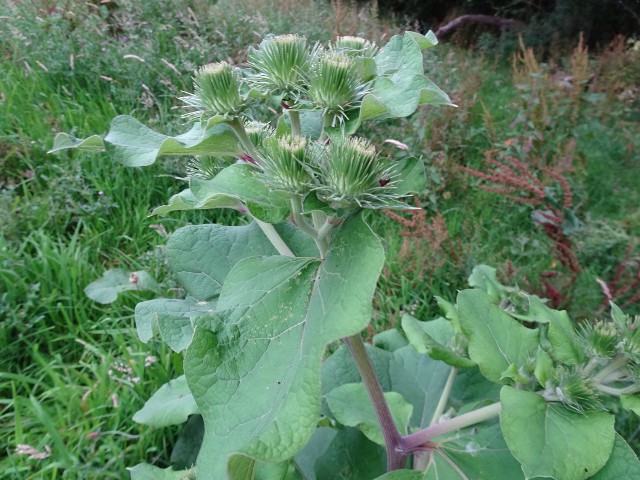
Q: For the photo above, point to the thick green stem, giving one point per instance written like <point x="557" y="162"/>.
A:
<point x="319" y="219"/>
<point x="275" y="238"/>
<point x="296" y="128"/>
<point x="418" y="439"/>
<point x="618" y="362"/>
<point x="444" y="397"/>
<point x="396" y="459"/>
<point x="238" y="127"/>
<point x="630" y="390"/>
<point x="301" y="222"/>
<point x="326" y="122"/>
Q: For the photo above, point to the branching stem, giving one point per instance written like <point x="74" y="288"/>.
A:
<point x="602" y="376"/>
<point x="238" y="127"/>
<point x="415" y="440"/>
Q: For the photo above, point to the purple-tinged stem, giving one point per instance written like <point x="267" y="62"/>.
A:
<point x="415" y="440"/>
<point x="396" y="458"/>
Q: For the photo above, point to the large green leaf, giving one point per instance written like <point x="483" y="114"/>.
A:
<point x="310" y="123"/>
<point x="351" y="456"/>
<point x="352" y="407"/>
<point x="434" y="338"/>
<point x="400" y="85"/>
<point x="186" y="201"/>
<point x="486" y="278"/>
<point x="170" y="405"/>
<point x="246" y="468"/>
<point x="631" y="403"/>
<point x="201" y="256"/>
<point x="64" y="141"/>
<point x="239" y="183"/>
<point x="185" y="451"/>
<point x="550" y="440"/>
<point x="471" y="387"/>
<point x="319" y="443"/>
<point x="390" y="340"/>
<point x="402" y="475"/>
<point x="173" y="319"/>
<point x="420" y="379"/>
<point x="496" y="341"/>
<point x="562" y="336"/>
<point x="404" y="52"/>
<point x="623" y="463"/>
<point x="255" y="371"/>
<point x="106" y="289"/>
<point x="417" y="377"/>
<point x="135" y="145"/>
<point x="144" y="471"/>
<point x="340" y="369"/>
<point x="411" y="176"/>
<point x="477" y="453"/>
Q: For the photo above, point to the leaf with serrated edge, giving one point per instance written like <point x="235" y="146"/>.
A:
<point x="106" y="289"/>
<point x="255" y="373"/>
<point x="170" y="405"/>
<point x="496" y="340"/>
<point x="622" y="464"/>
<point x="551" y="441"/>
<point x="351" y="406"/>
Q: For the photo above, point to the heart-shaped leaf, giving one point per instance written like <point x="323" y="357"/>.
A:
<point x="255" y="370"/>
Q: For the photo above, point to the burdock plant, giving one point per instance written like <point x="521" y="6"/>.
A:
<point x="281" y="64"/>
<point x="285" y="164"/>
<point x="216" y="92"/>
<point x="353" y="174"/>
<point x="335" y="84"/>
<point x="476" y="395"/>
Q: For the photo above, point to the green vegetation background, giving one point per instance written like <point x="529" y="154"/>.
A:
<point x="72" y="373"/>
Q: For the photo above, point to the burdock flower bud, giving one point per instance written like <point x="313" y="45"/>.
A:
<point x="285" y="164"/>
<point x="352" y="173"/>
<point x="258" y="132"/>
<point x="356" y="46"/>
<point x="629" y="345"/>
<point x="600" y="339"/>
<point x="577" y="391"/>
<point x="281" y="63"/>
<point x="335" y="84"/>
<point x="205" y="166"/>
<point x="216" y="92"/>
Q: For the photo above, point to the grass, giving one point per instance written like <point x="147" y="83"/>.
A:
<point x="72" y="372"/>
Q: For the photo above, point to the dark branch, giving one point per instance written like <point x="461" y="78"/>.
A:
<point x="490" y="20"/>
